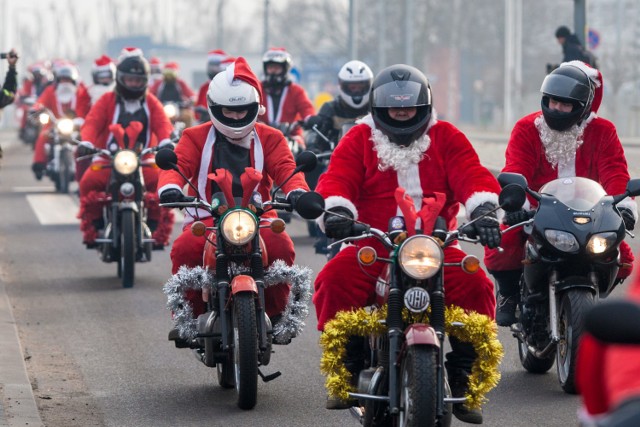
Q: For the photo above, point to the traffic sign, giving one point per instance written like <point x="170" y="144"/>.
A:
<point x="593" y="39"/>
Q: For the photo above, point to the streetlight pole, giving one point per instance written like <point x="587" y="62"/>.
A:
<point x="265" y="45"/>
<point x="580" y="20"/>
<point x="353" y="30"/>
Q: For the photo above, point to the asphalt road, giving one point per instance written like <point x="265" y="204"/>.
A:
<point x="97" y="354"/>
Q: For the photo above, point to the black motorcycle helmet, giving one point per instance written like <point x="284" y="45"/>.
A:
<point x="134" y="68"/>
<point x="277" y="56"/>
<point x="568" y="84"/>
<point x="401" y="86"/>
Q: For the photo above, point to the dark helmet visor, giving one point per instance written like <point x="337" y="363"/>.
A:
<point x="400" y="94"/>
<point x="565" y="88"/>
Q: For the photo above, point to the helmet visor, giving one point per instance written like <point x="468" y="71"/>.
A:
<point x="355" y="88"/>
<point x="235" y="121"/>
<point x="400" y="94"/>
<point x="132" y="81"/>
<point x="565" y="88"/>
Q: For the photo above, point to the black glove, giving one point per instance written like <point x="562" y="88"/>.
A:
<point x="292" y="198"/>
<point x="627" y="217"/>
<point x="173" y="195"/>
<point x="513" y="218"/>
<point x="84" y="150"/>
<point x="319" y="121"/>
<point x="487" y="228"/>
<point x="336" y="227"/>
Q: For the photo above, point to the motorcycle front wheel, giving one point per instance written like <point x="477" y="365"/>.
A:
<point x="128" y="247"/>
<point x="531" y="363"/>
<point x="65" y="173"/>
<point x="574" y="305"/>
<point x="245" y="349"/>
<point x="418" y="387"/>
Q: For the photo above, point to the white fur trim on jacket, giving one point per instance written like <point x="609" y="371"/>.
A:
<point x="631" y="205"/>
<point x="335" y="201"/>
<point x="478" y="198"/>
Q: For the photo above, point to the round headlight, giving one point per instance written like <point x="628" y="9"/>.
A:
<point x="170" y="110"/>
<point x="238" y="227"/>
<point x="43" y="118"/>
<point x="420" y="257"/>
<point x="562" y="240"/>
<point x="65" y="126"/>
<point x="125" y="162"/>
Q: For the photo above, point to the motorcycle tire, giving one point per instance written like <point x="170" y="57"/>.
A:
<point x="531" y="363"/>
<point x="418" y="387"/>
<point x="65" y="172"/>
<point x="128" y="247"/>
<point x="226" y="373"/>
<point x="574" y="305"/>
<point x="245" y="349"/>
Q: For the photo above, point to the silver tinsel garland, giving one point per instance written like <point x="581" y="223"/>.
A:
<point x="289" y="326"/>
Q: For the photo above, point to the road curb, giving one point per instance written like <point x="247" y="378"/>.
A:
<point x="19" y="406"/>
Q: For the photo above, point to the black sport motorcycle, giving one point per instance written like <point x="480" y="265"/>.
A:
<point x="571" y="260"/>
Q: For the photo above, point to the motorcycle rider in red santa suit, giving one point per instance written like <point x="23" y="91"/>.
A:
<point x="286" y="101"/>
<point x="232" y="140"/>
<point x="127" y="103"/>
<point x="65" y="98"/>
<point x="565" y="139"/>
<point x="402" y="144"/>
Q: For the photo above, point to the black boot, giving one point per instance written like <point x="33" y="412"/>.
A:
<point x="459" y="363"/>
<point x="508" y="284"/>
<point x="354" y="361"/>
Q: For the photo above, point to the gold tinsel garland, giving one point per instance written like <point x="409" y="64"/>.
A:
<point x="478" y="329"/>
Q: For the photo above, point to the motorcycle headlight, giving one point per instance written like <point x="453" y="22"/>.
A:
<point x="420" y="257"/>
<point x="562" y="241"/>
<point x="601" y="242"/>
<point x="239" y="227"/>
<point x="43" y="118"/>
<point x="170" y="110"/>
<point x="65" y="126"/>
<point x="125" y="162"/>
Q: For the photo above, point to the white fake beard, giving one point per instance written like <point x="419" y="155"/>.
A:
<point x="559" y="146"/>
<point x="65" y="92"/>
<point x="395" y="156"/>
<point x="96" y="91"/>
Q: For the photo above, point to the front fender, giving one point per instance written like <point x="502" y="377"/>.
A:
<point x="243" y="283"/>
<point x="419" y="333"/>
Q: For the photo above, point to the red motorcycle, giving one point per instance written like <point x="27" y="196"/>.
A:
<point x="235" y="335"/>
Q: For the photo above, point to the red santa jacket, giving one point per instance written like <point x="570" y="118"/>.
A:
<point x="106" y="111"/>
<point x="600" y="157"/>
<point x="449" y="165"/>
<point x="202" y="95"/>
<point x="294" y="105"/>
<point x="80" y="105"/>
<point x="269" y="153"/>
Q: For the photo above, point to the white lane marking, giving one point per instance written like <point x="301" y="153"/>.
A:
<point x="41" y="189"/>
<point x="54" y="209"/>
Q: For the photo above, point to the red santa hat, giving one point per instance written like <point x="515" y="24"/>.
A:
<point x="102" y="63"/>
<point x="172" y="66"/>
<point x="155" y="61"/>
<point x="240" y="70"/>
<point x="595" y="76"/>
<point x="128" y="52"/>
<point x="217" y="55"/>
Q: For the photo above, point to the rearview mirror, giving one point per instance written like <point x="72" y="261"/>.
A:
<point x="310" y="205"/>
<point x="512" y="197"/>
<point x="167" y="159"/>
<point x="306" y="161"/>
<point x="506" y="178"/>
<point x="633" y="187"/>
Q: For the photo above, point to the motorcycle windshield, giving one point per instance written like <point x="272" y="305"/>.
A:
<point x="577" y="193"/>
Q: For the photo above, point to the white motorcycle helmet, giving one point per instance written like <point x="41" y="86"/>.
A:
<point x="237" y="95"/>
<point x="355" y="79"/>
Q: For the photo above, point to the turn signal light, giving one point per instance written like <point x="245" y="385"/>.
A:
<point x="278" y="225"/>
<point x="367" y="255"/>
<point x="198" y="228"/>
<point x="470" y="264"/>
